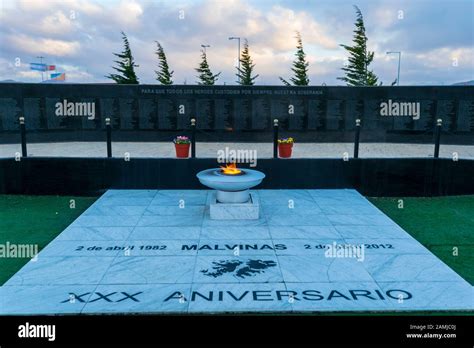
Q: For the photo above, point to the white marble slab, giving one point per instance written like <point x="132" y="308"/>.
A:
<point x="339" y="297"/>
<point x="291" y="209"/>
<point x="171" y="210"/>
<point x="318" y="268"/>
<point x="165" y="232"/>
<point x="295" y="220"/>
<point x="66" y="270"/>
<point x="115" y="210"/>
<point x="106" y="221"/>
<point x="95" y="233"/>
<point x="177" y="197"/>
<point x="142" y="251"/>
<point x="150" y="270"/>
<point x="73" y="248"/>
<point x="235" y="232"/>
<point x="44" y="299"/>
<point x="409" y="267"/>
<point x="238" y="298"/>
<point x="130" y="194"/>
<point x="304" y="232"/>
<point x="116" y="201"/>
<point x="161" y="220"/>
<point x="160" y="247"/>
<point x="139" y="299"/>
<point x="370" y="231"/>
<point x="238" y="269"/>
<point x="304" y="246"/>
<point x="432" y="295"/>
<point x="232" y="247"/>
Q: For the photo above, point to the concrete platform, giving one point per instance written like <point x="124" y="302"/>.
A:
<point x="143" y="251"/>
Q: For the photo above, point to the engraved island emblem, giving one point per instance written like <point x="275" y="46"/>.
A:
<point x="238" y="268"/>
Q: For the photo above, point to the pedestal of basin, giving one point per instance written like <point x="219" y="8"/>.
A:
<point x="232" y="199"/>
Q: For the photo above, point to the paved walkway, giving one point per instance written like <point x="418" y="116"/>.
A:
<point x="140" y="251"/>
<point x="264" y="150"/>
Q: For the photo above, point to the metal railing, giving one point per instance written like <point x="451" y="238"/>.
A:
<point x="276" y="126"/>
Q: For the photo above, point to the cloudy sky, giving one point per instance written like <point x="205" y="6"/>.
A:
<point x="436" y="37"/>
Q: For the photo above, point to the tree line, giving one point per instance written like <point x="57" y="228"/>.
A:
<point x="356" y="72"/>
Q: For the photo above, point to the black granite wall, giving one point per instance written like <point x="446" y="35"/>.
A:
<point x="373" y="177"/>
<point x="151" y="112"/>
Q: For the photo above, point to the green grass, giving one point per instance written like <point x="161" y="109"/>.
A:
<point x="442" y="224"/>
<point x="34" y="220"/>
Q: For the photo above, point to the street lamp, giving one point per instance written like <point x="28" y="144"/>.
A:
<point x="399" y="59"/>
<point x="204" y="47"/>
<point x="238" y="52"/>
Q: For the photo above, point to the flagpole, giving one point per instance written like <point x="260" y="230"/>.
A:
<point x="41" y="62"/>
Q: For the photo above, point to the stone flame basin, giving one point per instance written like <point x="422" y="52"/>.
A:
<point x="231" y="188"/>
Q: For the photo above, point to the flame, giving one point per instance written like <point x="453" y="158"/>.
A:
<point x="230" y="169"/>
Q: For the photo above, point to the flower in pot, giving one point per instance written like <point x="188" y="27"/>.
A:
<point x="285" y="146"/>
<point x="182" y="144"/>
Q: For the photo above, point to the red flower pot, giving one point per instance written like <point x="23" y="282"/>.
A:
<point x="182" y="150"/>
<point x="284" y="150"/>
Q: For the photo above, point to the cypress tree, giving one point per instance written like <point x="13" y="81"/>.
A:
<point x="205" y="76"/>
<point x="126" y="65"/>
<point x="245" y="72"/>
<point x="163" y="74"/>
<point x="300" y="66"/>
<point x="357" y="71"/>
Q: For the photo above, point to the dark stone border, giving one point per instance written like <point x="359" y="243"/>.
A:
<point x="372" y="177"/>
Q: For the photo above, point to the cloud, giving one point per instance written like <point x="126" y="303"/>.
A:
<point x="127" y="13"/>
<point x="81" y="36"/>
<point x="86" y="7"/>
<point x="285" y="22"/>
<point x="56" y="23"/>
<point x="30" y="45"/>
<point x="447" y="58"/>
<point x="426" y="25"/>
